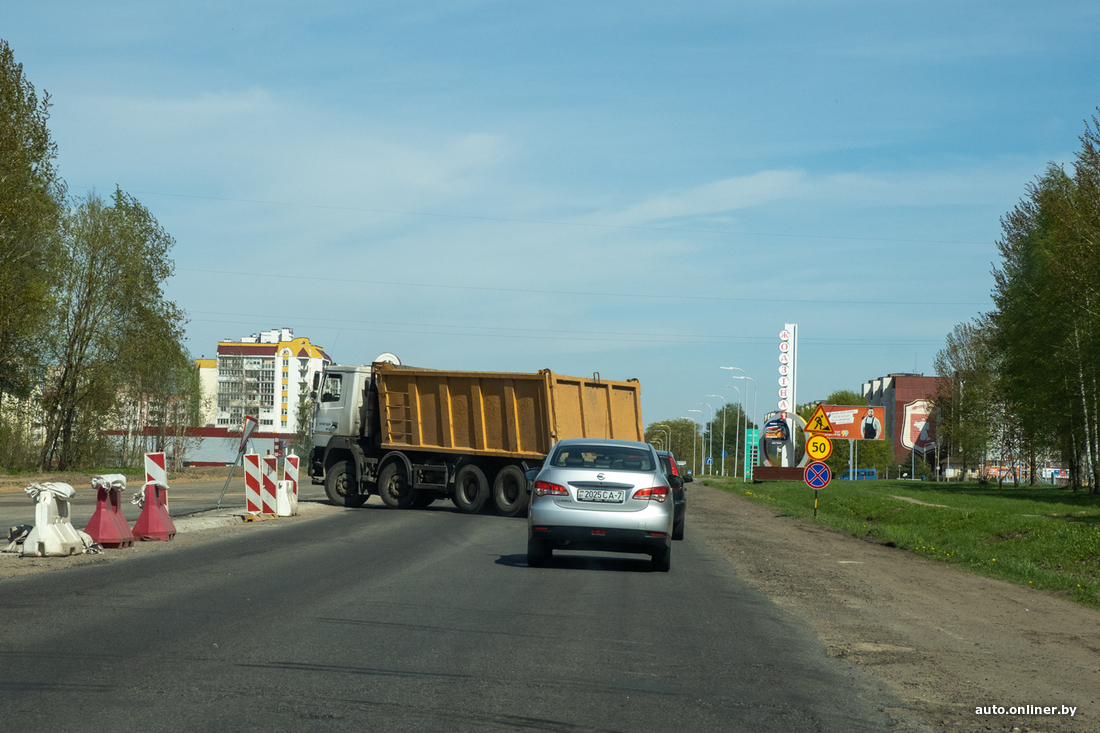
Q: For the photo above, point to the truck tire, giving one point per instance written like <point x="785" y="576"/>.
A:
<point x="339" y="486"/>
<point x="394" y="487"/>
<point x="471" y="489"/>
<point x="510" y="491"/>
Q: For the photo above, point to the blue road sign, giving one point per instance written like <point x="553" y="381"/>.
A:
<point x="817" y="475"/>
<point x="724" y="454"/>
<point x="710" y="461"/>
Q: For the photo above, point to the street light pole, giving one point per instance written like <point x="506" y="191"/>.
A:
<point x="668" y="443"/>
<point x="713" y="414"/>
<point x="724" y="403"/>
<point x="737" y="429"/>
<point x="695" y="434"/>
<point x="755" y="391"/>
<point x="755" y="394"/>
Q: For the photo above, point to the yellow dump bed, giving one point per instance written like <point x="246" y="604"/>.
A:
<point x="501" y="414"/>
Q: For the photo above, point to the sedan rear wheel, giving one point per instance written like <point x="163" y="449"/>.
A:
<point x="663" y="561"/>
<point x="539" y="553"/>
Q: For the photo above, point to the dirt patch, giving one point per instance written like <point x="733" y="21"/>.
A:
<point x="947" y="642"/>
<point x="917" y="501"/>
<point x="10" y="484"/>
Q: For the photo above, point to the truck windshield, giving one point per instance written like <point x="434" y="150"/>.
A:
<point x="331" y="392"/>
<point x="614" y="458"/>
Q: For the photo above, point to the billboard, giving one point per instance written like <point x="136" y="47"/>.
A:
<point x="918" y="431"/>
<point x="850" y="422"/>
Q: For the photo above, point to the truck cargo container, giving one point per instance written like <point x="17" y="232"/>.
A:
<point x="413" y="435"/>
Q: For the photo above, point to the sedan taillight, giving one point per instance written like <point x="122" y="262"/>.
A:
<point x="544" y="488"/>
<point x="657" y="493"/>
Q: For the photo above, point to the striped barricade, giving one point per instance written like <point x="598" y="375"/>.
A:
<point x="252" y="483"/>
<point x="268" y="472"/>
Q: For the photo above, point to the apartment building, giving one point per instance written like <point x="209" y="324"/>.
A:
<point x="263" y="375"/>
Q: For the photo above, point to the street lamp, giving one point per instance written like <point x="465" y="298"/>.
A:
<point x="713" y="414"/>
<point x="668" y="443"/>
<point x="724" y="403"/>
<point x="737" y="429"/>
<point x="754" y="388"/>
<point x="694" y="465"/>
<point x="755" y="394"/>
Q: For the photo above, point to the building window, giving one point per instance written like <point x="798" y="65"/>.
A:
<point x="267" y="422"/>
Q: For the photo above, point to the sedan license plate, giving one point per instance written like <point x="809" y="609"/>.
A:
<point x="613" y="496"/>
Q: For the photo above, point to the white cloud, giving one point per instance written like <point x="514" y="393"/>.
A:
<point x="722" y="196"/>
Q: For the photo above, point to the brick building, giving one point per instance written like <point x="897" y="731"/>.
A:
<point x="908" y="412"/>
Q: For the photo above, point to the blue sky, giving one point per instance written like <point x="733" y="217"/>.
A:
<point x="641" y="189"/>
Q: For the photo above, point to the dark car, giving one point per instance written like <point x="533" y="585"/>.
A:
<point x="679" y="496"/>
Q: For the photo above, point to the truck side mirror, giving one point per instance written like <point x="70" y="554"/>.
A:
<point x="316" y="383"/>
<point x="676" y="482"/>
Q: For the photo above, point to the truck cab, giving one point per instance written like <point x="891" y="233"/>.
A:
<point x="337" y="424"/>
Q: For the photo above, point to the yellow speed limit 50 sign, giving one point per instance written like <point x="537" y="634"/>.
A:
<point x="818" y="447"/>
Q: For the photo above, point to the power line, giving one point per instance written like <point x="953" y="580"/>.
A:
<point x="535" y="291"/>
<point x="546" y="222"/>
<point x="601" y="337"/>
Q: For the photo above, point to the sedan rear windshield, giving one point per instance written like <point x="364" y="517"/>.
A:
<point x="614" y="458"/>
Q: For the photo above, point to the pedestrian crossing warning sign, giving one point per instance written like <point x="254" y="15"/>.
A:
<point x="818" y="422"/>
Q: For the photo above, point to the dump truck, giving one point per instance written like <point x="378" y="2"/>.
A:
<point x="413" y="435"/>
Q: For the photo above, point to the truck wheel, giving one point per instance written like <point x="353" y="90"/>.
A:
<point x="339" y="486"/>
<point x="394" y="488"/>
<point x="471" y="489"/>
<point x="510" y="491"/>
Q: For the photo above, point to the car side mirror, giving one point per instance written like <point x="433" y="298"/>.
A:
<point x="676" y="482"/>
<point x="687" y="478"/>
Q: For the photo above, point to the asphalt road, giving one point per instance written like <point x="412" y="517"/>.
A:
<point x="373" y="619"/>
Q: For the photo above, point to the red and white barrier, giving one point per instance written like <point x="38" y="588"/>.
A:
<point x="290" y="472"/>
<point x="252" y="483"/>
<point x="108" y="526"/>
<point x="154" y="522"/>
<point x="269" y="466"/>
<point x="156" y="471"/>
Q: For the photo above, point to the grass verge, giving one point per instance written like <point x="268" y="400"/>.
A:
<point x="1043" y="537"/>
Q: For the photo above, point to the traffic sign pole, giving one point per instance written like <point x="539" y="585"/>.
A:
<point x="817" y="475"/>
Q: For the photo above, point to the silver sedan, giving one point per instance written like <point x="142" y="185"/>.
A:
<point x="604" y="495"/>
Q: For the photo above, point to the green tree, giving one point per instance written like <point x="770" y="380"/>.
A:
<point x="31" y="194"/>
<point x="1047" y="315"/>
<point x="303" y="428"/>
<point x="967" y="397"/>
<point x="684" y="433"/>
<point x="113" y="260"/>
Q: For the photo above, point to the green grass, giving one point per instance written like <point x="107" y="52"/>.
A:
<point x="1042" y="537"/>
<point x="126" y="470"/>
